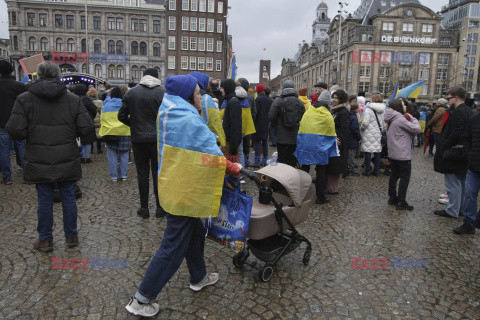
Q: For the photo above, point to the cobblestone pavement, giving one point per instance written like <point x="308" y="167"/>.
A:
<point x="357" y="223"/>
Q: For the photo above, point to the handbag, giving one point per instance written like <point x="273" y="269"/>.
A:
<point x="383" y="132"/>
<point x="455" y="153"/>
<point x="230" y="227"/>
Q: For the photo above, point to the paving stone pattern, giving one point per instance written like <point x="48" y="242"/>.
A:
<point x="357" y="223"/>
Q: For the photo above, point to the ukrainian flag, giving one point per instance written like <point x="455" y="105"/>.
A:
<point x="423" y="119"/>
<point x="110" y="125"/>
<point x="211" y="115"/>
<point x="316" y="139"/>
<point x="191" y="167"/>
<point x="412" y="91"/>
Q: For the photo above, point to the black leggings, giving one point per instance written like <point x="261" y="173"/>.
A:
<point x="145" y="156"/>
<point x="399" y="170"/>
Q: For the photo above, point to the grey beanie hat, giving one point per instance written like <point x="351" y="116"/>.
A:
<point x="324" y="99"/>
<point x="288" y="84"/>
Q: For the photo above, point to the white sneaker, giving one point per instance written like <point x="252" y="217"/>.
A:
<point x="443" y="196"/>
<point x="443" y="200"/>
<point x="147" y="310"/>
<point x="210" y="278"/>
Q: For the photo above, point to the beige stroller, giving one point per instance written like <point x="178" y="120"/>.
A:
<point x="285" y="197"/>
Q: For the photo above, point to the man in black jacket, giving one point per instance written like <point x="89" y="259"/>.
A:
<point x="472" y="182"/>
<point x="139" y="111"/>
<point x="50" y="118"/>
<point x="446" y="159"/>
<point x="232" y="120"/>
<point x="260" y="137"/>
<point x="9" y="91"/>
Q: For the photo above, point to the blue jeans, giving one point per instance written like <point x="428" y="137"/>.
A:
<point x="184" y="237"/>
<point x="5" y="143"/>
<point x="472" y="187"/>
<point x="45" y="209"/>
<point x="87" y="150"/>
<point x="258" y="151"/>
<point x="241" y="155"/>
<point x="368" y="161"/>
<point x="117" y="163"/>
<point x="455" y="186"/>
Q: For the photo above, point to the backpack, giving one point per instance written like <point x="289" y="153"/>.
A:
<point x="290" y="116"/>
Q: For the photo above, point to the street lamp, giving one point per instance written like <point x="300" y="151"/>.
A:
<point x="342" y="4"/>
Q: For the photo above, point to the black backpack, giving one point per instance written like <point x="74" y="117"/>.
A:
<point x="290" y="116"/>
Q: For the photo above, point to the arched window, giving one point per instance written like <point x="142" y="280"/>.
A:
<point x="32" y="43"/>
<point x="135" y="74"/>
<point x="111" y="71"/>
<point x="119" y="47"/>
<point x="84" y="68"/>
<point x="70" y="45"/>
<point x="134" y="50"/>
<point x="157" y="68"/>
<point x="111" y="47"/>
<point x="98" y="71"/>
<point x="156" y="49"/>
<point x="44" y="44"/>
<point x="15" y="43"/>
<point x="59" y="44"/>
<point x="84" y="45"/>
<point x="143" y="48"/>
<point x="97" y="46"/>
<point x="142" y="69"/>
<point x="120" y="72"/>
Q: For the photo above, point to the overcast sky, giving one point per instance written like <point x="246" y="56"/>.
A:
<point x="277" y="25"/>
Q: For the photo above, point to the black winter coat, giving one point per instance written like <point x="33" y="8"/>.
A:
<point x="472" y="143"/>
<point x="140" y="108"/>
<point x="354" y="136"/>
<point x="286" y="135"/>
<point x="232" y="122"/>
<point x="9" y="91"/>
<point x="50" y="118"/>
<point x="262" y="106"/>
<point x="92" y="112"/>
<point x="339" y="164"/>
<point x="452" y="134"/>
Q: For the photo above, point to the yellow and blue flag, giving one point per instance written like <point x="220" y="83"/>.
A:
<point x="423" y="119"/>
<point x="232" y="73"/>
<point x="316" y="139"/>
<point x="110" y="125"/>
<point x="412" y="91"/>
<point x="191" y="167"/>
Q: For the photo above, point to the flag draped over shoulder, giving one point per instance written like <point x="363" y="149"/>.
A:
<point x="110" y="125"/>
<point x="316" y="139"/>
<point x="423" y="118"/>
<point x="211" y="115"/>
<point x="191" y="167"/>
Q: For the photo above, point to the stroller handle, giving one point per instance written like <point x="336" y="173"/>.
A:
<point x="251" y="175"/>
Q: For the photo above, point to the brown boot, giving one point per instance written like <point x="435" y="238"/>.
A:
<point x="43" y="246"/>
<point x="72" y="241"/>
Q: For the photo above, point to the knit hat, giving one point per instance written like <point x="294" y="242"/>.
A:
<point x="5" y="67"/>
<point x="202" y="79"/>
<point x="260" y="88"/>
<point x="324" y="99"/>
<point x="442" y="101"/>
<point x="321" y="85"/>
<point x="244" y="83"/>
<point x="314" y="98"/>
<point x="288" y="84"/>
<point x="182" y="86"/>
<point x="229" y="86"/>
<point x="250" y="91"/>
<point x="151" y="72"/>
<point x="302" y="92"/>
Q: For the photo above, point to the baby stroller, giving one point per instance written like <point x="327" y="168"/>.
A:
<point x="285" y="197"/>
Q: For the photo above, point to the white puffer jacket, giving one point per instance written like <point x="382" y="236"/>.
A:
<point x="371" y="133"/>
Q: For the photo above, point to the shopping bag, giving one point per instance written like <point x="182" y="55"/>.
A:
<point x="230" y="227"/>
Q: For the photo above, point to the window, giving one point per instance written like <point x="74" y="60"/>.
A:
<point x="469" y="37"/>
<point x="201" y="44"/>
<point x="193" y="43"/>
<point x="210" y="44"/>
<point x="119" y="23"/>
<point x="384" y="72"/>
<point x="171" y="43"/>
<point x="171" y="62"/>
<point x="84" y="45"/>
<point x="193" y="63"/>
<point x="171" y="23"/>
<point x="70" y="21"/>
<point x="364" y="86"/>
<point x="387" y="26"/>
<point x="30" y="19"/>
<point x="442" y="74"/>
<point x="135" y="73"/>
<point x="44" y="44"/>
<point x="184" y="43"/>
<point x="142" y="69"/>
<point x="209" y="64"/>
<point x="97" y="46"/>
<point x="219" y="46"/>
<point x="156" y="26"/>
<point x="211" y="5"/>
<point x="32" y="43"/>
<point x="58" y="21"/>
<point x="185" y="4"/>
<point x="445" y="41"/>
<point x="111" y="23"/>
<point x="156" y="49"/>
<point x="14" y="19"/>
<point x="15" y="43"/>
<point x="424" y="58"/>
<point x="82" y="22"/>
<point x="111" y="71"/>
<point x="475" y="37"/>
<point x="194" y="5"/>
<point x="97" y="23"/>
<point x="424" y="90"/>
<point x="98" y="71"/>
<point x="408" y="27"/>
<point x="220" y="7"/>
<point x="143" y="48"/>
<point x="218" y="65"/>
<point x="427" y="28"/>
<point x="185" y="23"/>
<point x="111" y="46"/>
<point x="59" y="44"/>
<point x="193" y="24"/>
<point x="210" y="25"/>
<point x="134" y="24"/>
<point x="120" y="72"/>
<point x="219" y="26"/>
<point x="202" y="7"/>
<point x="366" y="37"/>
<point x="184" y="63"/>
<point x="384" y="88"/>
<point x="443" y="58"/>
<point x="201" y="24"/>
<point x="423" y="73"/>
<point x="472" y="62"/>
<point x="84" y="68"/>
<point x="365" y="71"/>
<point x="70" y="45"/>
<point x="143" y="25"/>
<point x="201" y="63"/>
<point x="474" y="50"/>
<point x="42" y="18"/>
<point x="172" y="5"/>
<point x="468" y="50"/>
<point x="466" y="62"/>
<point x="120" y="47"/>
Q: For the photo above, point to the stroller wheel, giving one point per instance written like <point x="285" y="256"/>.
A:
<point x="240" y="258"/>
<point x="266" y="272"/>
<point x="306" y="257"/>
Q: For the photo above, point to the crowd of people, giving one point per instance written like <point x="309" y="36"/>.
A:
<point x="172" y="127"/>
